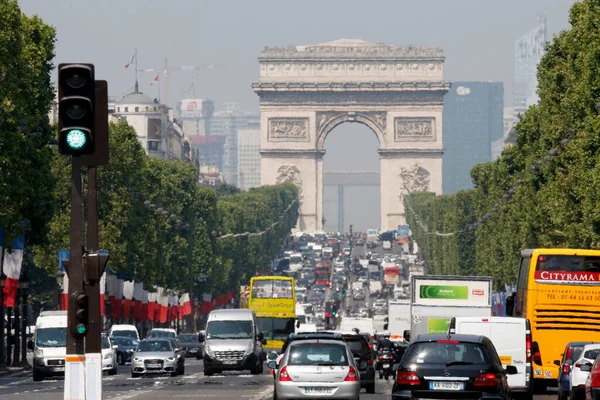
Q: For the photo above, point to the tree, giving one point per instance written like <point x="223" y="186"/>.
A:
<point x="552" y="173"/>
<point x="26" y="52"/>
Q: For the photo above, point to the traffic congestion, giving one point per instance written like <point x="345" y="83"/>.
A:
<point x="348" y="316"/>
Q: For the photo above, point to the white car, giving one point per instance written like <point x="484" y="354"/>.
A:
<point x="387" y="245"/>
<point x="577" y="377"/>
<point x="109" y="356"/>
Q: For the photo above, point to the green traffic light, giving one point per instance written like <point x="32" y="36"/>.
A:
<point x="81" y="329"/>
<point x="76" y="139"/>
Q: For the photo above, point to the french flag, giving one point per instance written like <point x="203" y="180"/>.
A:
<point x="13" y="259"/>
<point x="164" y="307"/>
<point x="117" y="303"/>
<point x="132" y="59"/>
<point x="64" y="299"/>
<point x="186" y="306"/>
<point x="151" y="306"/>
<point x="144" y="301"/>
<point x="159" y="305"/>
<point x="102" y="292"/>
<point x="128" y="288"/>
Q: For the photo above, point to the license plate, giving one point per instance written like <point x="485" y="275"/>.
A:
<point x="152" y="365"/>
<point x="386" y="365"/>
<point x="59" y="369"/>
<point x="317" y="390"/>
<point x="506" y="360"/>
<point x="446" y="385"/>
<point x="230" y="362"/>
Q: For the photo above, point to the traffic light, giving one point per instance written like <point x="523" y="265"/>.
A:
<point x="76" y="98"/>
<point x="81" y="324"/>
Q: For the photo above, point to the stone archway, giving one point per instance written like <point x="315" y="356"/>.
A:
<point x="306" y="91"/>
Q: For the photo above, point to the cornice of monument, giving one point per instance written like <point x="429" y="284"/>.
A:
<point x="352" y="48"/>
<point x="350" y="86"/>
<point x="423" y="153"/>
<point x="292" y="153"/>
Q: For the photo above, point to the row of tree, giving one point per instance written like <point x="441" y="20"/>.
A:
<point x="543" y="191"/>
<point x="185" y="249"/>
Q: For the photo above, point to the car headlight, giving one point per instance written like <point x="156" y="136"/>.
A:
<point x="108" y="355"/>
<point x="38" y="353"/>
<point x="136" y="359"/>
<point x="209" y="351"/>
<point x="250" y="348"/>
<point x="170" y="359"/>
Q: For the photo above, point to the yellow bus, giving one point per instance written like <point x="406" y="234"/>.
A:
<point x="559" y="291"/>
<point x="273" y="300"/>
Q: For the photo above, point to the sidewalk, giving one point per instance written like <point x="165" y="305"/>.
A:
<point x="15" y="371"/>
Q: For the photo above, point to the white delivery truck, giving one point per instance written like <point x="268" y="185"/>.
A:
<point x="398" y="319"/>
<point x="296" y="262"/>
<point x="435" y="299"/>
<point x="49" y="345"/>
<point x="374" y="287"/>
<point x="511" y="338"/>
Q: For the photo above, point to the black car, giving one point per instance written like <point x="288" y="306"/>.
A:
<point x="180" y="353"/>
<point x="452" y="367"/>
<point x="189" y="342"/>
<point x="363" y="355"/>
<point x="125" y="348"/>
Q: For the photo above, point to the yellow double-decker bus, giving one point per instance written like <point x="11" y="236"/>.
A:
<point x="559" y="291"/>
<point x="273" y="300"/>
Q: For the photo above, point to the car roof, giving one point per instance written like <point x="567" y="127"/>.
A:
<point x="156" y="340"/>
<point x="459" y="337"/>
<point x="315" y="335"/>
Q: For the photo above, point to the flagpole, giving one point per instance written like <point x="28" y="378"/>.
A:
<point x="136" y="71"/>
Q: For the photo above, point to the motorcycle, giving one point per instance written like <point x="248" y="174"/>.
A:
<point x="386" y="364"/>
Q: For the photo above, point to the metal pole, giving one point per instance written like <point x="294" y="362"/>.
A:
<point x="2" y="331"/>
<point x="8" y="336"/>
<point x="17" y="337"/>
<point x="93" y="340"/>
<point x="341" y="208"/>
<point x="75" y="359"/>
<point x="24" y="325"/>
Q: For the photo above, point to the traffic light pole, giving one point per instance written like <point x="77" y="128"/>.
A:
<point x="75" y="358"/>
<point x="93" y="340"/>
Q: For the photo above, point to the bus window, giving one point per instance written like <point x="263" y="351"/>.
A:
<point x="568" y="263"/>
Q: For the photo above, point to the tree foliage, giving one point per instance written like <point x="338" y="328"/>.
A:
<point x="26" y="52"/>
<point x="555" y="206"/>
<point x="147" y="246"/>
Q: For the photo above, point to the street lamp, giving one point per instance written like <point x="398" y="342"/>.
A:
<point x="60" y="281"/>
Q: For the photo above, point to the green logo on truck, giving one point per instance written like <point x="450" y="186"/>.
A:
<point x="444" y="292"/>
<point x="438" y="325"/>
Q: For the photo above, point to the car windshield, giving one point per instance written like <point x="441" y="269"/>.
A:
<point x="150" y="346"/>
<point x="125" y="333"/>
<point x="444" y="352"/>
<point x="105" y="342"/>
<point x="229" y="330"/>
<point x="161" y="334"/>
<point x="187" y="338"/>
<point x="51" y="337"/>
<point x="318" y="354"/>
<point x="591" y="354"/>
<point x="124" y="341"/>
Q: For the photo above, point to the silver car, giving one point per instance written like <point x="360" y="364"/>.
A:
<point x="154" y="356"/>
<point x="323" y="369"/>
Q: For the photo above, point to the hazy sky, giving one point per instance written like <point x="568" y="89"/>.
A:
<point x="477" y="37"/>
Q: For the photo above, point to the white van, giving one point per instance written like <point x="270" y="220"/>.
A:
<point x="49" y="345"/>
<point x="509" y="336"/>
<point x="124" y="330"/>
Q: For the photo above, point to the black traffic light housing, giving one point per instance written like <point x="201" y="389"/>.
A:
<point x="76" y="101"/>
<point x="80" y="327"/>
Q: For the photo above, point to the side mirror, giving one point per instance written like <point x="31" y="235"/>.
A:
<point x="511" y="370"/>
<point x="586" y="367"/>
<point x="385" y="327"/>
<point x="297" y="324"/>
<point x="30" y="344"/>
<point x="260" y="336"/>
<point x="263" y="342"/>
<point x="557" y="362"/>
<point x="406" y="335"/>
<point x="272" y="364"/>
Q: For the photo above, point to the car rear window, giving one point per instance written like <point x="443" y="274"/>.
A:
<point x="591" y="354"/>
<point x="575" y="353"/>
<point x="443" y="352"/>
<point x="318" y="354"/>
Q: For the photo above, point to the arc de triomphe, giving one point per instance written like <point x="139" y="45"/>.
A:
<point x="306" y="91"/>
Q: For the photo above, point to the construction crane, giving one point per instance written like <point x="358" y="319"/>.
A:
<point x="168" y="68"/>
<point x="191" y="89"/>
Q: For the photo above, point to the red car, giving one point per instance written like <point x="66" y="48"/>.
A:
<point x="592" y="384"/>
